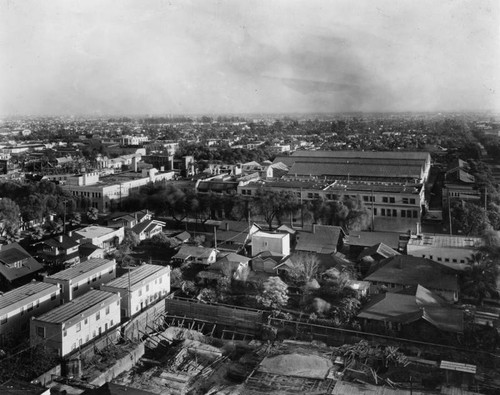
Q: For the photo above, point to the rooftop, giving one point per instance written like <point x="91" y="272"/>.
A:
<point x="82" y="268"/>
<point x="446" y="241"/>
<point x="11" y="254"/>
<point x="77" y="306"/>
<point x="94" y="231"/>
<point x="323" y="239"/>
<point x="24" y="292"/>
<point x="136" y="276"/>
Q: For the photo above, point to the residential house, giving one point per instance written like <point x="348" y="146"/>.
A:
<point x="404" y="271"/>
<point x="195" y="254"/>
<point x="79" y="279"/>
<point x="409" y="307"/>
<point x="148" y="228"/>
<point x="377" y="253"/>
<point x="268" y="262"/>
<point x="232" y="236"/>
<point x="278" y="243"/>
<point x="128" y="220"/>
<point x="103" y="237"/>
<point x="17" y="267"/>
<point x="66" y="328"/>
<point x="449" y="250"/>
<point x="19" y="305"/>
<point x="359" y="241"/>
<point x="140" y="288"/>
<point x="323" y="239"/>
<point x="89" y="251"/>
<point x="59" y="250"/>
<point x="232" y="264"/>
<point x="459" y="183"/>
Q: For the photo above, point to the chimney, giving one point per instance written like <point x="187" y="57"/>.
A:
<point x="418" y="228"/>
<point x="314" y="228"/>
<point x="70" y="233"/>
<point x="227" y="226"/>
<point x="60" y="239"/>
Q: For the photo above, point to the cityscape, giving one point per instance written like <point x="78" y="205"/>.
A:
<point x="249" y="197"/>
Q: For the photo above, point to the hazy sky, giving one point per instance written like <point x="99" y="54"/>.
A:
<point x="204" y="56"/>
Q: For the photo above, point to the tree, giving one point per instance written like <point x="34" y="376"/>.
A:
<point x="303" y="266"/>
<point x="10" y="218"/>
<point x="479" y="280"/>
<point x="274" y="294"/>
<point x="274" y="205"/>
<point x="130" y="241"/>
<point x="37" y="233"/>
<point x="92" y="214"/>
<point x="469" y="218"/>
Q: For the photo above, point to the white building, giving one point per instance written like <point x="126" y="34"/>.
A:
<point x="74" y="324"/>
<point x="278" y="243"/>
<point x="19" y="305"/>
<point x="101" y="236"/>
<point x="79" y="279"/>
<point x="101" y="193"/>
<point x="451" y="250"/>
<point x="141" y="287"/>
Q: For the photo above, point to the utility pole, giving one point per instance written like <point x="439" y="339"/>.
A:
<point x="372" y="198"/>
<point x="449" y="211"/>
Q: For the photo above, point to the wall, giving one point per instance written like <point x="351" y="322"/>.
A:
<point x="122" y="365"/>
<point x="138" y="325"/>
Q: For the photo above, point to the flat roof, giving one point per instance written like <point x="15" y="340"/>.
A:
<point x="81" y="269"/>
<point x="77" y="306"/>
<point x="137" y="276"/>
<point x="446" y="241"/>
<point x="33" y="290"/>
<point x="94" y="231"/>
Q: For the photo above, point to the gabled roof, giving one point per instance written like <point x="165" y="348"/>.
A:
<point x="11" y="253"/>
<point x="409" y="270"/>
<point x="287" y="229"/>
<point x="187" y="251"/>
<point x="268" y="255"/>
<point x="378" y="249"/>
<point x="322" y="240"/>
<point x="65" y="244"/>
<point x="368" y="239"/>
<point x="413" y="304"/>
<point x="232" y="257"/>
<point x="147" y="226"/>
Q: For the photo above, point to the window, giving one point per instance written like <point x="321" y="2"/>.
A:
<point x="394" y="213"/>
<point x="446" y="259"/>
<point x="111" y="323"/>
<point x="140" y="292"/>
<point x="53" y="296"/>
<point x="375" y="211"/>
<point x="40" y="331"/>
<point x="159" y="280"/>
<point x="88" y="280"/>
<point x="30" y="307"/>
<point x="65" y="333"/>
<point x="405" y="200"/>
<point x="147" y="286"/>
<point x="79" y="327"/>
<point x="3" y="319"/>
<point x="385" y="199"/>
<point x="415" y="214"/>
<point x="392" y="200"/>
<point x="86" y="321"/>
<point x="110" y="271"/>
<point x="454" y="261"/>
<point x="412" y="201"/>
<point x="98" y="316"/>
<point x="94" y="278"/>
<point x="382" y="212"/>
<point x="75" y="288"/>
<point x="439" y="259"/>
<point x="403" y="213"/>
<point x="107" y="310"/>
<point x="388" y="212"/>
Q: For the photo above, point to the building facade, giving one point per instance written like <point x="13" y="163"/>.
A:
<point x="19" y="305"/>
<point x="66" y="328"/>
<point x="141" y="287"/>
<point x="78" y="280"/>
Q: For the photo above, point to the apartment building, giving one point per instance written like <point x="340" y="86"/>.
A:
<point x="141" y="287"/>
<point x="74" y="324"/>
<point x="19" y="305"/>
<point x="79" y="279"/>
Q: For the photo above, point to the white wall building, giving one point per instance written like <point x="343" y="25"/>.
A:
<point x="74" y="324"/>
<point x="19" y="305"/>
<point x="141" y="287"/>
<point x="451" y="250"/>
<point x="101" y="236"/>
<point x="79" y="279"/>
<point x="278" y="243"/>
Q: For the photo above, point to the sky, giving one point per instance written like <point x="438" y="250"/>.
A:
<point x="138" y="57"/>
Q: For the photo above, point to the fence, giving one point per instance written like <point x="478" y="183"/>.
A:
<point x="241" y="319"/>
